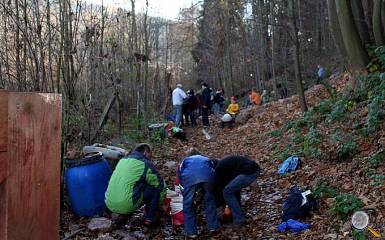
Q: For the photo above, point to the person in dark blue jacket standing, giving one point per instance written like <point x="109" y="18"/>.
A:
<point x="205" y="104"/>
<point x="197" y="172"/>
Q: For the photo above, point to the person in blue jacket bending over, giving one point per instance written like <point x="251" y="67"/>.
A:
<point x="197" y="172"/>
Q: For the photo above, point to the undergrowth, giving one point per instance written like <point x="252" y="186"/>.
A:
<point x="345" y="204"/>
<point x="342" y="108"/>
<point x="323" y="189"/>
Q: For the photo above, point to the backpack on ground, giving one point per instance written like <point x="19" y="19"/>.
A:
<point x="297" y="205"/>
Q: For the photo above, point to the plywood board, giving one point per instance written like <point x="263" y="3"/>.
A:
<point x="3" y="133"/>
<point x="3" y="211"/>
<point x="33" y="180"/>
<point x="3" y="121"/>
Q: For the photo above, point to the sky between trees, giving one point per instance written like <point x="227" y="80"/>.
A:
<point x="157" y="8"/>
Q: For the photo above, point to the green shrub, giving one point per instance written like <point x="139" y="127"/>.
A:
<point x="275" y="133"/>
<point x="324" y="107"/>
<point x="340" y="109"/>
<point x="312" y="142"/>
<point x="283" y="155"/>
<point x="359" y="235"/>
<point x="380" y="54"/>
<point x="377" y="56"/>
<point x="346" y="145"/>
<point x="377" y="180"/>
<point x="345" y="204"/>
<point x="297" y="138"/>
<point x="306" y="120"/>
<point x="375" y="114"/>
<point x="290" y="125"/>
<point x="376" y="159"/>
<point x="323" y="190"/>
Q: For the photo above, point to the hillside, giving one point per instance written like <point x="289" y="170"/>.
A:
<point x="269" y="136"/>
<point x="338" y="159"/>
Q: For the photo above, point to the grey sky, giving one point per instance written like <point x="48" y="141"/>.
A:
<point x="162" y="8"/>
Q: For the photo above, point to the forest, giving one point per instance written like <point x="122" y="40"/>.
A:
<point x="116" y="69"/>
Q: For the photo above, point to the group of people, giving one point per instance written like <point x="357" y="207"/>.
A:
<point x="135" y="181"/>
<point x="188" y="105"/>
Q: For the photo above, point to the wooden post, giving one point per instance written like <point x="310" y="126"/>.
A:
<point x="30" y="136"/>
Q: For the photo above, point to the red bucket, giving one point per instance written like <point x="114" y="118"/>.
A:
<point x="177" y="219"/>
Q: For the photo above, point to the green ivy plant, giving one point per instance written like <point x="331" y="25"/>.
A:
<point x="345" y="204"/>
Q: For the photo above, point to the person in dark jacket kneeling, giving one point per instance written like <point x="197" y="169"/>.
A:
<point x="233" y="173"/>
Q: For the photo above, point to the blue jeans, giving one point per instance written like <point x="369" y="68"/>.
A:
<point x="216" y="108"/>
<point x="233" y="189"/>
<point x="190" y="226"/>
<point x="178" y="117"/>
<point x="151" y="197"/>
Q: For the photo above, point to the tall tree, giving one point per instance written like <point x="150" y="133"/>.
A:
<point x="358" y="56"/>
<point x="360" y="21"/>
<point x="377" y="22"/>
<point x="297" y="64"/>
<point x="335" y="27"/>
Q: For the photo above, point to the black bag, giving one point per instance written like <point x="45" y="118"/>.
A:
<point x="292" y="208"/>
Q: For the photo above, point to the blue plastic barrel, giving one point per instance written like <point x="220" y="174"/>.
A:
<point x="87" y="181"/>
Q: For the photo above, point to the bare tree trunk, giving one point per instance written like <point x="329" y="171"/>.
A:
<point x="357" y="54"/>
<point x="50" y="72"/>
<point x="383" y="17"/>
<point x="377" y="23"/>
<point x="297" y="67"/>
<point x="25" y="43"/>
<point x="6" y="52"/>
<point x="18" y="45"/>
<point x="272" y="20"/>
<point x="41" y="62"/>
<point x="147" y="53"/>
<point x="359" y="18"/>
<point x="335" y="28"/>
<point x="137" y="63"/>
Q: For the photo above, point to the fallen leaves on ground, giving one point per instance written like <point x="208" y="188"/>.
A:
<point x="266" y="196"/>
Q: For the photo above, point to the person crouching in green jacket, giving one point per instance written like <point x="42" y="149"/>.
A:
<point x="136" y="181"/>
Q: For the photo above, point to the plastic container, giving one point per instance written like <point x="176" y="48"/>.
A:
<point x="157" y="131"/>
<point x="87" y="180"/>
<point x="177" y="217"/>
<point x="175" y="201"/>
<point x="109" y="152"/>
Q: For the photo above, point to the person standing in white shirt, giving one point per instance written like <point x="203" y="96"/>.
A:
<point x="178" y="96"/>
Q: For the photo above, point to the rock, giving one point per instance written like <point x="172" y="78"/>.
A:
<point x="170" y="165"/>
<point x="122" y="233"/>
<point x="74" y="227"/>
<point x="330" y="236"/>
<point x="244" y="115"/>
<point x="138" y="234"/>
<point x="347" y="186"/>
<point x="129" y="238"/>
<point x="99" y="224"/>
<point x="346" y="228"/>
<point x="105" y="237"/>
<point x="381" y="141"/>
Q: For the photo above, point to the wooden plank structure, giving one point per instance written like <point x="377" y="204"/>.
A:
<point x="30" y="137"/>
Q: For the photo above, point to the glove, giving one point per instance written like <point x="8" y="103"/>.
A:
<point x="296" y="226"/>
